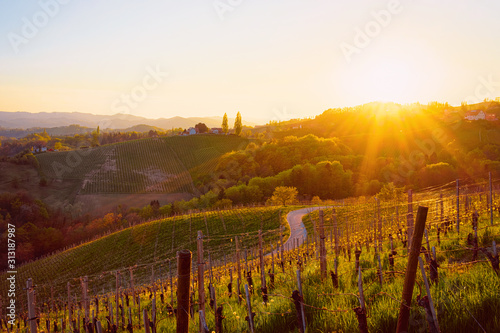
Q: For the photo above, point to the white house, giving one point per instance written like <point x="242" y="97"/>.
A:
<point x="475" y="115"/>
<point x="192" y="130"/>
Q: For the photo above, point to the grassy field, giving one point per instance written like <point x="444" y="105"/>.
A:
<point x="153" y="165"/>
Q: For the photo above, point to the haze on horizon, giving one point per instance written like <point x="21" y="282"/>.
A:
<point x="268" y="60"/>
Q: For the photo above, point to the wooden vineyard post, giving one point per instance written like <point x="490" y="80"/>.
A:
<point x="331" y="237"/>
<point x="86" y="300"/>
<point x="379" y="220"/>
<point x="249" y="306"/>
<point x="300" y="299"/>
<point x="130" y="326"/>
<point x="409" y="219"/>
<point x="206" y="224"/>
<point x="262" y="270"/>
<point x="427" y="242"/>
<point x="322" y="248"/>
<point x="458" y="206"/>
<point x="31" y="306"/>
<point x="139" y="308"/>
<point x="98" y="327"/>
<point x="272" y="258"/>
<point x="315" y="235"/>
<point x="441" y="207"/>
<point x="201" y="273"/>
<point x="336" y="233"/>
<point x="203" y="323"/>
<point x="146" y="321"/>
<point x="116" y="297"/>
<point x="491" y="201"/>
<point x="238" y="267"/>
<point x="281" y="250"/>
<point x="361" y="310"/>
<point x="132" y="285"/>
<point x="171" y="284"/>
<point x="70" y="306"/>
<point x="380" y="274"/>
<point x="432" y="319"/>
<point x="411" y="270"/>
<point x="183" y="281"/>
<point x="348" y="240"/>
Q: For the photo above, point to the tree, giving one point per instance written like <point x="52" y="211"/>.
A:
<point x="201" y="128"/>
<point x="95" y="137"/>
<point x="391" y="192"/>
<point x="316" y="201"/>
<point x="225" y="126"/>
<point x="284" y="195"/>
<point x="237" y="124"/>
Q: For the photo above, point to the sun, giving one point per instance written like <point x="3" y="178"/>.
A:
<point x="385" y="80"/>
<point x="389" y="81"/>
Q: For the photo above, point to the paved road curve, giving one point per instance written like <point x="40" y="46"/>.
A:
<point x="297" y="228"/>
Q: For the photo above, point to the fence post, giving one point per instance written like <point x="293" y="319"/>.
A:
<point x="458" y="206"/>
<point x="31" y="305"/>
<point x="322" y="249"/>
<point x="201" y="285"/>
<point x="431" y="304"/>
<point x="491" y="202"/>
<point x="361" y="310"/>
<point x="117" y="302"/>
<point x="132" y="284"/>
<point x="203" y="323"/>
<point x="299" y="283"/>
<point x="409" y="218"/>
<point x="146" y="321"/>
<point x="336" y="234"/>
<point x="380" y="270"/>
<point x="249" y="306"/>
<point x="262" y="270"/>
<point x="411" y="270"/>
<point x="86" y="300"/>
<point x="183" y="281"/>
<point x="379" y="226"/>
<point x="98" y="327"/>
<point x="238" y="265"/>
<point x="70" y="306"/>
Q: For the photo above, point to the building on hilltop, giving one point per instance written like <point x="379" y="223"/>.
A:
<point x="480" y="115"/>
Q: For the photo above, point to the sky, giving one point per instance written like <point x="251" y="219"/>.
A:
<point x="269" y="60"/>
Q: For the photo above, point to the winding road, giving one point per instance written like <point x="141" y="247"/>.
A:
<point x="297" y="228"/>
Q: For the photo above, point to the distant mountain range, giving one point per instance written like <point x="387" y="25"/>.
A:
<point x="20" y="124"/>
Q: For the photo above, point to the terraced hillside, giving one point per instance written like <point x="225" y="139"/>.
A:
<point x="149" y="247"/>
<point x="153" y="165"/>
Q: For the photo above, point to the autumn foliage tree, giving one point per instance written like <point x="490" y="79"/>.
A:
<point x="284" y="195"/>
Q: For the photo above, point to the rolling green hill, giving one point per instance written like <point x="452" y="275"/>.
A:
<point x="153" y="165"/>
<point x="148" y="247"/>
